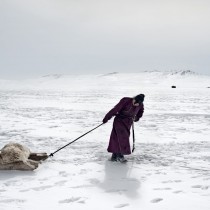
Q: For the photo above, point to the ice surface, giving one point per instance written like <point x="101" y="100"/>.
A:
<point x="170" y="168"/>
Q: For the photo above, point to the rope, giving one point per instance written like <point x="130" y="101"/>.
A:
<point x="74" y="140"/>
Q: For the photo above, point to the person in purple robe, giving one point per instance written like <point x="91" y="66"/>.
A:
<point x="127" y="111"/>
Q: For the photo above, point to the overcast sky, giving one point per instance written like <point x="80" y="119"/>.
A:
<point x="39" y="37"/>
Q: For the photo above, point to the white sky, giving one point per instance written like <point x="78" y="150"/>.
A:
<point x="39" y="37"/>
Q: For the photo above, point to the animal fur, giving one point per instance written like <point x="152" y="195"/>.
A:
<point x="14" y="156"/>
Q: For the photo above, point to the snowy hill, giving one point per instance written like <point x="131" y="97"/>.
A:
<point x="113" y="80"/>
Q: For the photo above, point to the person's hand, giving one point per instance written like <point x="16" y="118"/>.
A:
<point x="104" y="120"/>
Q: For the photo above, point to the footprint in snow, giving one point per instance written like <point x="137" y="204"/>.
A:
<point x="205" y="187"/>
<point x="63" y="174"/>
<point x="156" y="200"/>
<point x="83" y="171"/>
<point x="41" y="188"/>
<point x="9" y="183"/>
<point x="197" y="186"/>
<point x="94" y="181"/>
<point x="201" y="187"/>
<point x="12" y="201"/>
<point x="43" y="179"/>
<point x="178" y="191"/>
<point x="82" y="202"/>
<point x="171" y="181"/>
<point x="60" y="182"/>
<point x="26" y="190"/>
<point x="177" y="181"/>
<point x="121" y="205"/>
<point x="165" y="188"/>
<point x="116" y="190"/>
<point x="70" y="200"/>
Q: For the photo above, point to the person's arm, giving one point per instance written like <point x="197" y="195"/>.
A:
<point x="115" y="110"/>
<point x="139" y="114"/>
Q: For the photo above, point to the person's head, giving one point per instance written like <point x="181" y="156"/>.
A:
<point x="139" y="99"/>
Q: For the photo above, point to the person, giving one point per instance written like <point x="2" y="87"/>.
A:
<point x="127" y="111"/>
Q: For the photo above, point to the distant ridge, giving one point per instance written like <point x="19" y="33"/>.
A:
<point x="184" y="72"/>
<point x="129" y="81"/>
<point x="174" y="72"/>
<point x="156" y="72"/>
<point x="54" y="76"/>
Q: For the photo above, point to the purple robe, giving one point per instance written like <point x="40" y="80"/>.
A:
<point x="125" y="112"/>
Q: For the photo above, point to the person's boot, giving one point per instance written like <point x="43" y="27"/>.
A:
<point x="114" y="157"/>
<point x="121" y="158"/>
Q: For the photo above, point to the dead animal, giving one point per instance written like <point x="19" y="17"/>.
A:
<point x="14" y="156"/>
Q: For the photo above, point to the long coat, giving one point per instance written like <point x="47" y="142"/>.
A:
<point x="125" y="113"/>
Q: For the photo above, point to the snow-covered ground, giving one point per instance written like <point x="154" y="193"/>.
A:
<point x="170" y="168"/>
